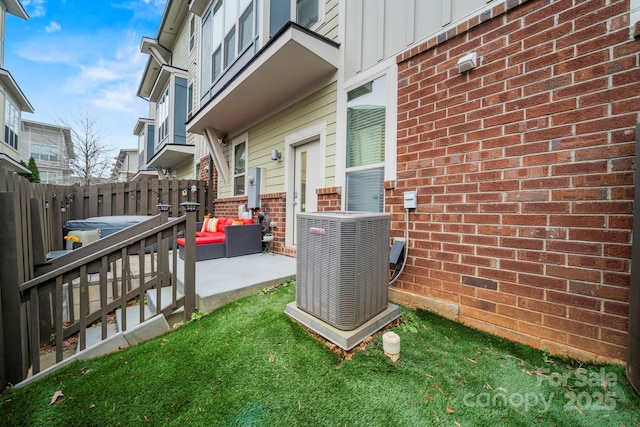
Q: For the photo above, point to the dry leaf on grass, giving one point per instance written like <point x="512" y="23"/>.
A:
<point x="58" y="394"/>
<point x="449" y="410"/>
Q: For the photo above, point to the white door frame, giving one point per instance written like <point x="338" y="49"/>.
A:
<point x="312" y="133"/>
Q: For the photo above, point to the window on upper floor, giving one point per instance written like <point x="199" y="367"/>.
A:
<point x="11" y="124"/>
<point x="190" y="100"/>
<point x="304" y="12"/>
<point x="44" y="152"/>
<point x="239" y="168"/>
<point x="192" y="33"/>
<point x="232" y="30"/>
<point x="162" y="117"/>
<point x="366" y="134"/>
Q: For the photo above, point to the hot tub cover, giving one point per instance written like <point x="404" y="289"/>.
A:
<point x="105" y="224"/>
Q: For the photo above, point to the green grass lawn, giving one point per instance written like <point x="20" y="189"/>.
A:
<point x="248" y="364"/>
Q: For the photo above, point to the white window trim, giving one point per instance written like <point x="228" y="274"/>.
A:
<point x="192" y="37"/>
<point x="321" y="13"/>
<point x="262" y="29"/>
<point x="242" y="139"/>
<point x="236" y="29"/>
<point x="390" y="69"/>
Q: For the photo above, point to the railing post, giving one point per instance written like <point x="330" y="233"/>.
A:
<point x="163" y="254"/>
<point x="190" y="259"/>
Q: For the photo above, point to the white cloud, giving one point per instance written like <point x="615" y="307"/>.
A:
<point x="35" y="8"/>
<point x="142" y="8"/>
<point x="52" y="27"/>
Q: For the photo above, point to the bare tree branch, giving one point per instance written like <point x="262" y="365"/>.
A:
<point x="91" y="160"/>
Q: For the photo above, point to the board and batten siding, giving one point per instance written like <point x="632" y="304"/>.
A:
<point x="380" y="29"/>
<point x="320" y="107"/>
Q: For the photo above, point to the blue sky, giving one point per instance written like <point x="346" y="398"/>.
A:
<point x="74" y="57"/>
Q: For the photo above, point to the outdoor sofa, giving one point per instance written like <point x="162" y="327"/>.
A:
<point x="225" y="238"/>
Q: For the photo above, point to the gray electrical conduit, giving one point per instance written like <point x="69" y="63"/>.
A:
<point x="406" y="246"/>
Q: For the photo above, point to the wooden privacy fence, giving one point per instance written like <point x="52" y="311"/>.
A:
<point x="124" y="198"/>
<point x="33" y="217"/>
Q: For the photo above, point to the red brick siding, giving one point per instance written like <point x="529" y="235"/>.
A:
<point x="329" y="199"/>
<point x="273" y="204"/>
<point x="524" y="172"/>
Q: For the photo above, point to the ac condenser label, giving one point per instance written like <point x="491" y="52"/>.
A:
<point x="316" y="230"/>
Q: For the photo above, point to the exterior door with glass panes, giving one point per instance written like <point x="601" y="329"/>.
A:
<point x="306" y="180"/>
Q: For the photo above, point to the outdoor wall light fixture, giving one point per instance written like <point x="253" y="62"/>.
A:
<point x="467" y="62"/>
<point x="275" y="154"/>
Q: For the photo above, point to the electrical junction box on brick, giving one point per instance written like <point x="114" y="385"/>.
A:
<point x="410" y="199"/>
<point x="255" y="182"/>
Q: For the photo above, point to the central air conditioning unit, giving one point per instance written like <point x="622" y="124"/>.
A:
<point x="342" y="266"/>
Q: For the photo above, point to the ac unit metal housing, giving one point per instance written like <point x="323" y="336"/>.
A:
<point x="342" y="266"/>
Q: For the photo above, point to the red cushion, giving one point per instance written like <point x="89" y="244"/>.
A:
<point x="228" y="222"/>
<point x="205" y="238"/>
<point x="221" y="223"/>
<point x="247" y="220"/>
<point x="213" y="238"/>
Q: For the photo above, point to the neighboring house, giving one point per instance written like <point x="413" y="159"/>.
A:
<point x="513" y="120"/>
<point x="126" y="165"/>
<point x="168" y="84"/>
<point x="12" y="101"/>
<point x="52" y="149"/>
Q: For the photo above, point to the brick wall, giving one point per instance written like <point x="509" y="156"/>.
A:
<point x="274" y="204"/>
<point x="524" y="172"/>
<point x="329" y="199"/>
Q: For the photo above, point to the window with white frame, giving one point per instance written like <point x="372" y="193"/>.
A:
<point x="239" y="168"/>
<point x="365" y="148"/>
<point x="304" y="12"/>
<point x="48" y="177"/>
<point x="232" y="31"/>
<point x="190" y="100"/>
<point x="11" y="124"/>
<point x="192" y="33"/>
<point x="44" y="152"/>
<point x="162" y="117"/>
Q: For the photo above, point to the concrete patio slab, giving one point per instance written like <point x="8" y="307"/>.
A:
<point x="223" y="280"/>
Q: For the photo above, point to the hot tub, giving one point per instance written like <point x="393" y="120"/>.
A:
<point x="104" y="224"/>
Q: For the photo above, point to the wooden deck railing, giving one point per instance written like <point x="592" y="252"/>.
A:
<point x="127" y="265"/>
